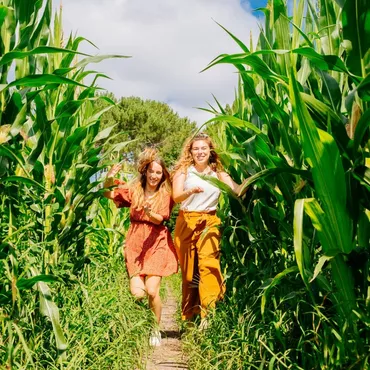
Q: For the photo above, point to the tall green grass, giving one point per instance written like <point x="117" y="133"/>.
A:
<point x="104" y="326"/>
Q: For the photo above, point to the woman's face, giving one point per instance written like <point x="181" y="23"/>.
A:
<point x="154" y="174"/>
<point x="200" y="152"/>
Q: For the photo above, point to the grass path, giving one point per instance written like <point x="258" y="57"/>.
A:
<point x="169" y="355"/>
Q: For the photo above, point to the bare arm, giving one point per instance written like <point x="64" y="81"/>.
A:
<point x="226" y="178"/>
<point x="109" y="181"/>
<point x="178" y="192"/>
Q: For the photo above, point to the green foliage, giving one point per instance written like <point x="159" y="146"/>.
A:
<point x="106" y="327"/>
<point x="108" y="226"/>
<point x="147" y="123"/>
<point x="49" y="129"/>
<point x="298" y="285"/>
<point x="102" y="323"/>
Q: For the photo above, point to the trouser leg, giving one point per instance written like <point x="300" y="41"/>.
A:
<point x="211" y="285"/>
<point x="187" y="255"/>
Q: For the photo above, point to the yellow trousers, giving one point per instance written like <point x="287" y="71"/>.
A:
<point x="197" y="239"/>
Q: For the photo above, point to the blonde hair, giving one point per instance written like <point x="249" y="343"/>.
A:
<point x="137" y="186"/>
<point x="186" y="158"/>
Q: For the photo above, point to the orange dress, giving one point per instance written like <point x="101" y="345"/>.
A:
<point x="149" y="248"/>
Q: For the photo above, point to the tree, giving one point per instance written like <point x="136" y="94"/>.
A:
<point x="148" y="123"/>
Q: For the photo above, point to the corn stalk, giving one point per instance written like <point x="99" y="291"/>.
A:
<point x="49" y="135"/>
<point x="299" y="128"/>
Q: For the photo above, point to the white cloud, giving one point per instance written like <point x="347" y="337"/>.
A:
<point x="170" y="43"/>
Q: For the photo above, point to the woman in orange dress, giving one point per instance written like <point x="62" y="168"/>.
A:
<point x="149" y="249"/>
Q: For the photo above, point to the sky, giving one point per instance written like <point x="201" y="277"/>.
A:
<point x="170" y="42"/>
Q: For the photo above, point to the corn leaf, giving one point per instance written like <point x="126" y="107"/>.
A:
<point x="49" y="309"/>
<point x="323" y="156"/>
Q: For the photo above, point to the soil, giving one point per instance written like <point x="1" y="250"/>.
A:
<point x="169" y="354"/>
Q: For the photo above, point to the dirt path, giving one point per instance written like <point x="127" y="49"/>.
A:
<point x="169" y="355"/>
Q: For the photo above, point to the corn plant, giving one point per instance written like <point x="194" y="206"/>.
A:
<point x="50" y="147"/>
<point x="299" y="129"/>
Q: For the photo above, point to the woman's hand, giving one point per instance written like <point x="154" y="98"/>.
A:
<point x="147" y="209"/>
<point x="178" y="192"/>
<point x="109" y="180"/>
<point x="195" y="190"/>
<point x="153" y="217"/>
<point x="114" y="170"/>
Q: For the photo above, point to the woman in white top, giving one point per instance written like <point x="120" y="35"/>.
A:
<point x="197" y="232"/>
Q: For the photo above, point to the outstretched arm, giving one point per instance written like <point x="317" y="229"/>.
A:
<point x="109" y="181"/>
<point x="178" y="192"/>
<point x="226" y="178"/>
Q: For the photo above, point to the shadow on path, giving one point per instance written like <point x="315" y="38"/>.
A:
<point x="169" y="355"/>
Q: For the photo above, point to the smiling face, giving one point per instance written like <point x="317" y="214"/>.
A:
<point x="200" y="152"/>
<point x="154" y="174"/>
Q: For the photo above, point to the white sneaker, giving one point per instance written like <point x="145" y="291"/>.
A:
<point x="155" y="338"/>
<point x="204" y="324"/>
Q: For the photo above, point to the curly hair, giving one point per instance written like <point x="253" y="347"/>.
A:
<point x="137" y="185"/>
<point x="186" y="158"/>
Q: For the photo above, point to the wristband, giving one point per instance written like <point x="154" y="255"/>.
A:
<point x="109" y="180"/>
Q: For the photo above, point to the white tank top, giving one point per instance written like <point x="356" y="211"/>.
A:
<point x="200" y="202"/>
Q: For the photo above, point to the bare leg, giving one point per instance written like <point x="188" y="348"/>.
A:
<point x="137" y="287"/>
<point x="152" y="285"/>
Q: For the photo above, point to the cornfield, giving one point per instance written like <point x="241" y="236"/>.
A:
<point x="50" y="149"/>
<point x="296" y="246"/>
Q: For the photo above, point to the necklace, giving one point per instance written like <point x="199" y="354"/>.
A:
<point x="149" y="194"/>
<point x="206" y="171"/>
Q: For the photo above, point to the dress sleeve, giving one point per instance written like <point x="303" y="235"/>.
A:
<point x="122" y="196"/>
<point x="166" y="208"/>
